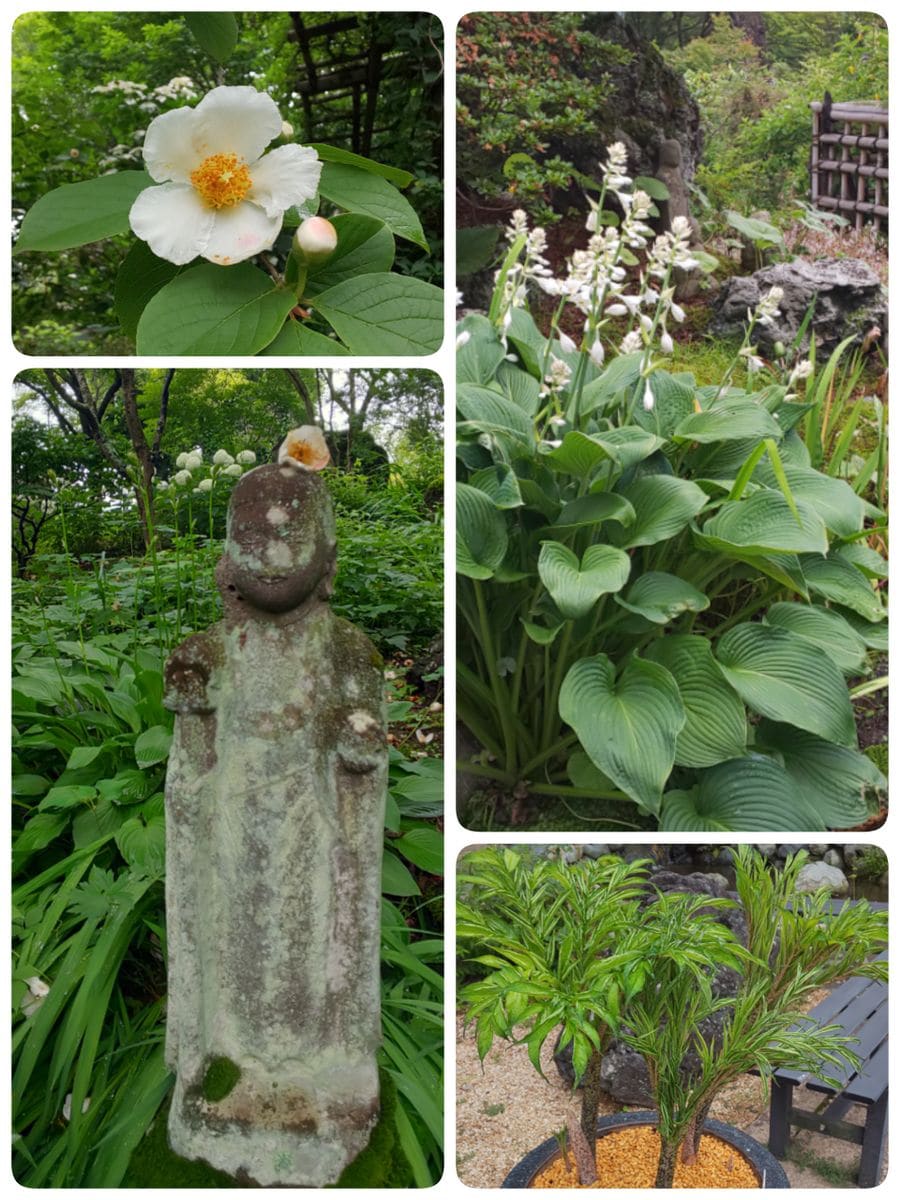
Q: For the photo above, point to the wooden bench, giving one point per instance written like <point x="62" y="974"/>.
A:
<point x="859" y="1007"/>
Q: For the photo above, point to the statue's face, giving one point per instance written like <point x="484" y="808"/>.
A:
<point x="280" y="543"/>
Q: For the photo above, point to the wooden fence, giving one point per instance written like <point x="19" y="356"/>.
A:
<point x="849" y="161"/>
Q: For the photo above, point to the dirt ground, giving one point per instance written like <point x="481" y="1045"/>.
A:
<point x="506" y="1109"/>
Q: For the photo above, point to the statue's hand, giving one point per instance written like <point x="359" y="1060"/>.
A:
<point x="188" y="675"/>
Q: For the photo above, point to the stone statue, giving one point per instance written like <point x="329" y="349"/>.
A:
<point x="275" y="809"/>
<point x="671" y="172"/>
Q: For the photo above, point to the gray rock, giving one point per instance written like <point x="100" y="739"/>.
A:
<point x="814" y="876"/>
<point x="851" y="854"/>
<point x="787" y="848"/>
<point x="819" y="849"/>
<point x="595" y="850"/>
<point x="849" y="300"/>
<point x="833" y="858"/>
<point x="767" y="849"/>
<point x="275" y="800"/>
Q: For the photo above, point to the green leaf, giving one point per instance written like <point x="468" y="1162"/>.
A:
<point x="152" y="746"/>
<point x="365" y="246"/>
<point x="740" y="796"/>
<point x="129" y="785"/>
<point x="663" y="506"/>
<point x="540" y="634"/>
<point x="628" y="445"/>
<point x="385" y="314"/>
<point x="481" y="537"/>
<point x="873" y="633"/>
<point x="140" y="277"/>
<point x="83" y="756"/>
<point x="214" y="310"/>
<point x="143" y="846"/>
<point x="592" y="509"/>
<point x="490" y="412"/>
<point x="673" y="400"/>
<point x="823" y="628"/>
<point x="629" y="725"/>
<point x="655" y="188"/>
<point x="837" y="580"/>
<point x="299" y="341"/>
<point x="215" y="33"/>
<point x="842" y="511"/>
<point x="29" y="785"/>
<point x="78" y="213"/>
<point x="475" y="247"/>
<point x="764" y="522"/>
<point x="584" y="774"/>
<point x="755" y="229"/>
<point x="661" y="598"/>
<point x="833" y="780"/>
<point x="715" y="728"/>
<point x="360" y="191"/>
<point x="479" y="357"/>
<point x="578" y="455"/>
<point x="334" y="154"/>
<point x="732" y="418"/>
<point x="577" y="586"/>
<point x="782" y="676"/>
<point x="69" y="796"/>
<point x="500" y="483"/>
<point x="619" y="377"/>
<point x="40" y="831"/>
<point x="424" y="847"/>
<point x="395" y="878"/>
<point x="518" y="386"/>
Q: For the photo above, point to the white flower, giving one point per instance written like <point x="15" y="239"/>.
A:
<point x="222" y="458"/>
<point x="767" y="308"/>
<point x="462" y="339"/>
<point x="35" y="996"/>
<point x="67" y="1106"/>
<point x="246" y="457"/>
<point x="181" y="460"/>
<point x="287" y="129"/>
<point x="315" y="240"/>
<point x="648" y="397"/>
<point x="305" y="448"/>
<point x="162" y="485"/>
<point x="677" y="313"/>
<point x="803" y="370"/>
<point x="566" y="343"/>
<point x="220" y="196"/>
<point x="597" y="353"/>
<point x="665" y="342"/>
<point x="631" y="342"/>
<point x="182" y="478"/>
<point x="194" y="460"/>
<point x="205" y="485"/>
<point x="234" y="470"/>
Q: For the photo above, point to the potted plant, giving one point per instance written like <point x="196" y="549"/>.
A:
<point x="649" y="563"/>
<point x="650" y="983"/>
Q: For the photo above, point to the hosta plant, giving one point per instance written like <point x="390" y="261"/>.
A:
<point x="248" y="242"/>
<point x="574" y="949"/>
<point x="661" y="600"/>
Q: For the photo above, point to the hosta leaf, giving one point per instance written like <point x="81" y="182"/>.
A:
<point x="520" y="387"/>
<point x="40" y="831"/>
<point x="152" y="746"/>
<point x="500" y="483"/>
<point x="584" y="774"/>
<point x="78" y="213"/>
<point x="383" y="313"/>
<point x="619" y="377"/>
<point x="740" y="796"/>
<point x="128" y="786"/>
<point x="672" y="402"/>
<point x="663" y="506"/>
<point x="361" y="191"/>
<point x="541" y="634"/>
<point x="839" y="581"/>
<point x="731" y="419"/>
<point x="873" y="633"/>
<point x="782" y="676"/>
<point x="491" y="412"/>
<point x="576" y="586"/>
<point x="629" y="725"/>
<point x="629" y="444"/>
<point x="214" y="310"/>
<point x="715" y="728"/>
<point x="578" y="455"/>
<point x="842" y="511"/>
<point x="481" y="538"/>
<point x="762" y="523"/>
<point x="143" y="845"/>
<point x="833" y="780"/>
<point x="395" y="877"/>
<point x="826" y="629"/>
<point x="478" y="359"/>
<point x="864" y="558"/>
<point x="660" y="597"/>
<point x="424" y="847"/>
<point x="592" y="509"/>
<point x="68" y="796"/>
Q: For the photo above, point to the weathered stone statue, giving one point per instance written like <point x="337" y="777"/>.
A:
<point x="275" y="808"/>
<point x="671" y="172"/>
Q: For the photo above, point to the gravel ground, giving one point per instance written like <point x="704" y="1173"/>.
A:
<point x="506" y="1109"/>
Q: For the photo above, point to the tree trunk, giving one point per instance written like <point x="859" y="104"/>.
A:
<point x="690" y="1147"/>
<point x="582" y="1151"/>
<point x="590" y="1097"/>
<point x="668" y="1155"/>
<point x="144" y="489"/>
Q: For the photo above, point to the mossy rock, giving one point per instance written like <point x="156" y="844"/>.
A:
<point x="381" y="1164"/>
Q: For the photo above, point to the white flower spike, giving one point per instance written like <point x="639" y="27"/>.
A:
<point x="220" y="196"/>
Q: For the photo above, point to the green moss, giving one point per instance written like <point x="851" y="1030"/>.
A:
<point x="219" y="1079"/>
<point x="381" y="1164"/>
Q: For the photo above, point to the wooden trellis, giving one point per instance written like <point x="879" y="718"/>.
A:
<point x="849" y="161"/>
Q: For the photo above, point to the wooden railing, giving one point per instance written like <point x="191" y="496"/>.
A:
<point x="849" y="161"/>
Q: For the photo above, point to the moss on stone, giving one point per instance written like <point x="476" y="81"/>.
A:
<point x="219" y="1079"/>
<point x="381" y="1164"/>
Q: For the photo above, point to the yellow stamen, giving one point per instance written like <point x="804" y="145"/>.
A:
<point x="222" y="180"/>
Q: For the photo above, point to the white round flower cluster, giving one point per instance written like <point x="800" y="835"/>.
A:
<point x="223" y="463"/>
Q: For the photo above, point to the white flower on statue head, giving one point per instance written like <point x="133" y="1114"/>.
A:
<point x="305" y="448"/>
<point x="205" y="485"/>
<point x="220" y="196"/>
<point x="222" y="458"/>
<point x="246" y="457"/>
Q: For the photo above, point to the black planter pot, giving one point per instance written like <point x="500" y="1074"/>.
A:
<point x="769" y="1170"/>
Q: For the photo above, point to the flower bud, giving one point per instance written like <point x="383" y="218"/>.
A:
<point x="665" y="342"/>
<point x="315" y="240"/>
<point x="648" y="397"/>
<point x="287" y="129"/>
<point x="566" y="343"/>
<point x="779" y="350"/>
<point x="597" y="353"/>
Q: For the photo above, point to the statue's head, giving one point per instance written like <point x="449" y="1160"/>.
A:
<point x="280" y="545"/>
